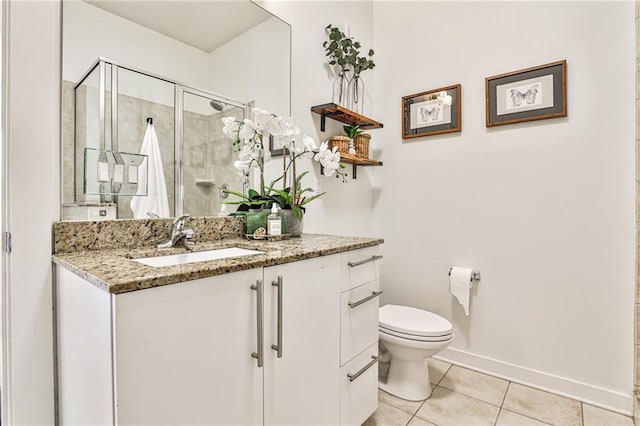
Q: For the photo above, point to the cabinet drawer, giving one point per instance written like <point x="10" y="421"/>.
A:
<point x="359" y="267"/>
<point x="358" y="324"/>
<point x="359" y="395"/>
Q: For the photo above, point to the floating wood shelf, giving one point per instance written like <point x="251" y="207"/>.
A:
<point x="344" y="115"/>
<point x="358" y="161"/>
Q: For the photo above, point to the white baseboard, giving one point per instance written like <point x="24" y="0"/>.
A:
<point x="600" y="397"/>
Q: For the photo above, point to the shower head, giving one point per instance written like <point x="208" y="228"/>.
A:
<point x="215" y="105"/>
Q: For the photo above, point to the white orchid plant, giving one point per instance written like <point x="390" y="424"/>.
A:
<point x="250" y="144"/>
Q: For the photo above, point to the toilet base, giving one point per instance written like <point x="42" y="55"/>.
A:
<point x="408" y="380"/>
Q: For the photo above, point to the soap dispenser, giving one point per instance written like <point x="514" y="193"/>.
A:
<point x="274" y="221"/>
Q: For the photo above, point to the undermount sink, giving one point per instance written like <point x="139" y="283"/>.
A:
<point x="196" y="256"/>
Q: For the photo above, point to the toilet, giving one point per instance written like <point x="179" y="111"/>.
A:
<point x="411" y="336"/>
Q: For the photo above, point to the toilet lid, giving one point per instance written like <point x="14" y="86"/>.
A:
<point x="407" y="320"/>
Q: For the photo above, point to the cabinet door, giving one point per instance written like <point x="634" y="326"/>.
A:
<point x="184" y="353"/>
<point x="302" y="386"/>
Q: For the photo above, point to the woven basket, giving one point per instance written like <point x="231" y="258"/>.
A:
<point x="362" y="145"/>
<point x="341" y="142"/>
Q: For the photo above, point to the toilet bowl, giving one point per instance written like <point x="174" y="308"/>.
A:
<point x="411" y="336"/>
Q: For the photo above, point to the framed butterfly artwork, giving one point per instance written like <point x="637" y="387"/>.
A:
<point x="536" y="93"/>
<point x="433" y="112"/>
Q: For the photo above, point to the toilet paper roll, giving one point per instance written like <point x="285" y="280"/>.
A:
<point x="460" y="286"/>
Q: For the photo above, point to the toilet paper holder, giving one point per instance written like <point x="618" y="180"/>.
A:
<point x="475" y="275"/>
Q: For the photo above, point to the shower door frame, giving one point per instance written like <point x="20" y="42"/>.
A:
<point x="179" y="90"/>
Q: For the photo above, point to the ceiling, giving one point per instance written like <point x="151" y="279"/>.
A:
<point x="205" y="25"/>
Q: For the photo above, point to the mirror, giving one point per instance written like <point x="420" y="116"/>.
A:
<point x="182" y="64"/>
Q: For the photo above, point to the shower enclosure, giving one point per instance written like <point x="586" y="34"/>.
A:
<point x="109" y="108"/>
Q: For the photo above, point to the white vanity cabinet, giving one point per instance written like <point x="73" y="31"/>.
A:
<point x="172" y="355"/>
<point x="301" y="386"/>
<point x="359" y="301"/>
<point x="189" y="353"/>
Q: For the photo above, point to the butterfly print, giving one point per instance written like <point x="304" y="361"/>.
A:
<point x="528" y="97"/>
<point x="429" y="114"/>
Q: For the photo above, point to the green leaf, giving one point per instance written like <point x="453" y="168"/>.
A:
<point x="297" y="211"/>
<point x="253" y="193"/>
<point x="310" y="199"/>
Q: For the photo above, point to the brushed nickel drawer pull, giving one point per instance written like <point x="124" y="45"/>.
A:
<point x="352" y="377"/>
<point x="373" y="295"/>
<point x="259" y="302"/>
<point x="278" y="347"/>
<point x="362" y="262"/>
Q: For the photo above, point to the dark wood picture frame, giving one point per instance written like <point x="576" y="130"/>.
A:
<point x="509" y="102"/>
<point x="411" y="127"/>
<point x="273" y="146"/>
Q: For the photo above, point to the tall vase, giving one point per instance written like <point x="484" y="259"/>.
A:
<point x="340" y="89"/>
<point x="356" y="94"/>
<point x="293" y="225"/>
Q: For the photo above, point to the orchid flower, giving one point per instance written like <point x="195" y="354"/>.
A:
<point x="250" y="137"/>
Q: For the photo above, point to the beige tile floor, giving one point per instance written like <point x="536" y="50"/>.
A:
<point x="465" y="397"/>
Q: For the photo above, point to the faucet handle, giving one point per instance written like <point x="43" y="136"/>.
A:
<point x="189" y="241"/>
<point x="178" y="223"/>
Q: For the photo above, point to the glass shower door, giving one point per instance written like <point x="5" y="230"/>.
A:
<point x="140" y="97"/>
<point x="207" y="154"/>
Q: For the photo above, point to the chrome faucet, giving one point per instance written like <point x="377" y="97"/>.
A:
<point x="179" y="233"/>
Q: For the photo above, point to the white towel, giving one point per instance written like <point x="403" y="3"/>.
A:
<point x="156" y="200"/>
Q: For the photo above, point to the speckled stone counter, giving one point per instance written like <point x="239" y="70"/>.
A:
<point x="114" y="271"/>
<point x="71" y="236"/>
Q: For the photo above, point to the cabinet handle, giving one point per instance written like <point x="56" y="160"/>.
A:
<point x="278" y="347"/>
<point x="352" y="377"/>
<point x="259" y="302"/>
<point x="362" y="262"/>
<point x="373" y="295"/>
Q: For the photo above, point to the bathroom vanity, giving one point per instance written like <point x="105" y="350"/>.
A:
<point x="286" y="336"/>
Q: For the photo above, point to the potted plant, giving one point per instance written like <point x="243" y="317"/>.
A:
<point x="291" y="198"/>
<point x="344" y="54"/>
<point x="359" y="141"/>
<point x="340" y="50"/>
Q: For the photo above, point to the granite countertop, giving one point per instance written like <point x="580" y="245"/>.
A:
<point x="114" y="271"/>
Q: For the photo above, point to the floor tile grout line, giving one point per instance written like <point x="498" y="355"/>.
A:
<point x="582" y="413"/>
<point x="445" y="373"/>
<point x="506" y="391"/>
<point x="409" y="421"/>
<point x="504" y="398"/>
<point x="526" y="415"/>
<point x="495" y="422"/>
<point x="468" y="396"/>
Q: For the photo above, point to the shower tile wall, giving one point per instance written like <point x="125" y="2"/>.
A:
<point x="67" y="142"/>
<point x="207" y="153"/>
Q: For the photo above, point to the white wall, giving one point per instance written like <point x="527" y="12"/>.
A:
<point x="90" y="32"/>
<point x="255" y="66"/>
<point x="346" y="208"/>
<point x="545" y="210"/>
<point x="33" y="137"/>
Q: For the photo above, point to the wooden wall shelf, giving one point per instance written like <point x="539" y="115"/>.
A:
<point x="358" y="161"/>
<point x="344" y="115"/>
